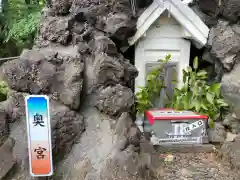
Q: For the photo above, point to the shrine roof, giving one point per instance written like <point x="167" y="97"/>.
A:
<point x="186" y="17"/>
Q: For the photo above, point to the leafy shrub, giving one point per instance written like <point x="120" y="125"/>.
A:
<point x="153" y="87"/>
<point x="24" y="30"/>
<point x="196" y="95"/>
<point x="19" y="23"/>
<point x="3" y="91"/>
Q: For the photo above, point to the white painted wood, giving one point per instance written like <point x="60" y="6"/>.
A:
<point x="139" y="64"/>
<point x="184" y="59"/>
<point x="144" y="27"/>
<point x="190" y="15"/>
<point x="166" y="44"/>
<point x="195" y="28"/>
<point x="180" y="56"/>
<point x="199" y="35"/>
<point x="176" y="31"/>
<point x="145" y="15"/>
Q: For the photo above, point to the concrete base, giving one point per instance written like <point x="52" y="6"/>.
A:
<point x="177" y="148"/>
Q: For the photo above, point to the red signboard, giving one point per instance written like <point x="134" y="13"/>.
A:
<point x="171" y="114"/>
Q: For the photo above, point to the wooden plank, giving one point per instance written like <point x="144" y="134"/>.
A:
<point x="9" y="58"/>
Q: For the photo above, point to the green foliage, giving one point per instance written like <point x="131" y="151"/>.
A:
<point x="3" y="91"/>
<point x="19" y="22"/>
<point x="196" y="95"/>
<point x="24" y="30"/>
<point x="153" y="87"/>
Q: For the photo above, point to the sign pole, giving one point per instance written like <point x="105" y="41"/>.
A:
<point x="39" y="136"/>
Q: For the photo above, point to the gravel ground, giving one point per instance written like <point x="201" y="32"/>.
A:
<point x="90" y="155"/>
<point x="187" y="166"/>
<point x="191" y="166"/>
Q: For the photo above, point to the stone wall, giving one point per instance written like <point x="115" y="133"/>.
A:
<point x="223" y="52"/>
<point x="223" y="46"/>
<point x="77" y="54"/>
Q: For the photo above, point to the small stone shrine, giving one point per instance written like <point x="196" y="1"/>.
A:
<point x="166" y="27"/>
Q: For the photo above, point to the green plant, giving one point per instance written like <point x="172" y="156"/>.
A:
<point x="24" y="30"/>
<point x="3" y="91"/>
<point x="19" y="23"/>
<point x="154" y="85"/>
<point x="196" y="95"/>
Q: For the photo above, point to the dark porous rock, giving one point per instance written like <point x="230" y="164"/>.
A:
<point x="4" y="130"/>
<point x="78" y="28"/>
<point x="130" y="72"/>
<point x="14" y="107"/>
<point x="209" y="19"/>
<point x="61" y="7"/>
<point x="120" y="27"/>
<point x="67" y="126"/>
<point x="209" y="7"/>
<point x="217" y="134"/>
<point x="232" y="123"/>
<point x="104" y="69"/>
<point x="91" y="13"/>
<point x="82" y="15"/>
<point x="230" y="9"/>
<point x="123" y="123"/>
<point x="56" y="29"/>
<point x="114" y="100"/>
<point x="68" y="82"/>
<point x="225" y="42"/>
<point x="230" y="153"/>
<point x="103" y="44"/>
<point x="231" y="87"/>
<point x="82" y="47"/>
<point x="49" y="72"/>
<point x="206" y="56"/>
<point x="134" y="135"/>
<point x="127" y="132"/>
<point x="77" y="4"/>
<point x="47" y="12"/>
<point x="109" y="70"/>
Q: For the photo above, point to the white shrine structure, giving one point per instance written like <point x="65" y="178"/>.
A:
<point x="166" y="27"/>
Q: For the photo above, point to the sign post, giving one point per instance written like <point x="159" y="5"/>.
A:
<point x="39" y="135"/>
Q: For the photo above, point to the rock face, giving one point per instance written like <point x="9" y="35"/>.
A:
<point x="56" y="29"/>
<point x="66" y="126"/>
<point x="77" y="53"/>
<point x="217" y="134"/>
<point x="230" y="154"/>
<point x="223" y="52"/>
<point x="225" y="42"/>
<point x="114" y="100"/>
<point x="48" y="72"/>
